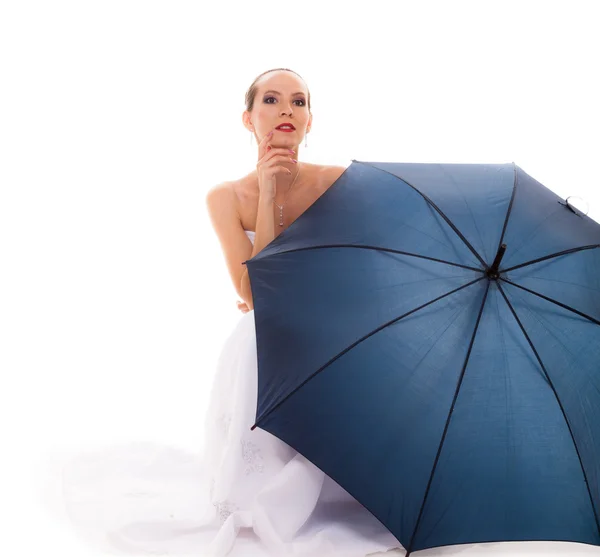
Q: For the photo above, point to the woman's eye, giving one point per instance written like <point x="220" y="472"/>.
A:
<point x="300" y="100"/>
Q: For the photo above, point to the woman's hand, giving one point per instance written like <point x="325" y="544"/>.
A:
<point x="243" y="307"/>
<point x="267" y="166"/>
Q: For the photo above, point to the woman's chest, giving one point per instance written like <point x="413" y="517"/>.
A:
<point x="285" y="209"/>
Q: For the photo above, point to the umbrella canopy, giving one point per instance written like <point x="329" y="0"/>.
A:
<point x="428" y="336"/>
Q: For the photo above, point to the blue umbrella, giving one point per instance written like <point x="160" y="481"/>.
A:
<point x="428" y="336"/>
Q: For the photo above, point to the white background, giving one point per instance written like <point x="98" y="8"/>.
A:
<point x="118" y="116"/>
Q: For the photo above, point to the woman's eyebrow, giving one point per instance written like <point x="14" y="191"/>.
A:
<point x="293" y="94"/>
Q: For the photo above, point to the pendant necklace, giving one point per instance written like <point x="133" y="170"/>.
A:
<point x="280" y="207"/>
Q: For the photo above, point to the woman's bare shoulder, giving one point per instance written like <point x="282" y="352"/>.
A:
<point x="231" y="185"/>
<point x="219" y="195"/>
<point x="337" y="170"/>
<point x="230" y="190"/>
<point x="331" y="173"/>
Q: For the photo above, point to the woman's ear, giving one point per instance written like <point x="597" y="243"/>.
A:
<point x="246" y="121"/>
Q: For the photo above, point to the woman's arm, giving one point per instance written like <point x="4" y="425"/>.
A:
<point x="265" y="233"/>
<point x="235" y="244"/>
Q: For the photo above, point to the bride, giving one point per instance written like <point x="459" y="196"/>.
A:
<point x="250" y="494"/>
<point x="256" y="480"/>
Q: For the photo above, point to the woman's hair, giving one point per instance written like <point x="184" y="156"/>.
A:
<point x="251" y="93"/>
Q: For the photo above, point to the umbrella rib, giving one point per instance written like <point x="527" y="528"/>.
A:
<point x="557" y="399"/>
<point x="378" y="248"/>
<point x="348" y="348"/>
<point x="510" y="206"/>
<point x="551" y="256"/>
<point x="458" y="386"/>
<point x="569" y="308"/>
<point x="458" y="232"/>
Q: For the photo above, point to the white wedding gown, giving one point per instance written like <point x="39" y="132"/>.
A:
<point x="248" y="494"/>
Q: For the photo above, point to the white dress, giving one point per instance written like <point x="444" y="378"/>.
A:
<point x="249" y="493"/>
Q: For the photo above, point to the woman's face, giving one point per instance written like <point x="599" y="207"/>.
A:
<point x="281" y="97"/>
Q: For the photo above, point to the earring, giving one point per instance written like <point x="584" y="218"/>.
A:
<point x="251" y="135"/>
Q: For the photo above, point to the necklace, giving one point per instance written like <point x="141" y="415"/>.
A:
<point x="280" y="207"/>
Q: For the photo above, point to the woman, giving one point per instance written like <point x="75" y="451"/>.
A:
<point x="265" y="202"/>
<point x="256" y="481"/>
